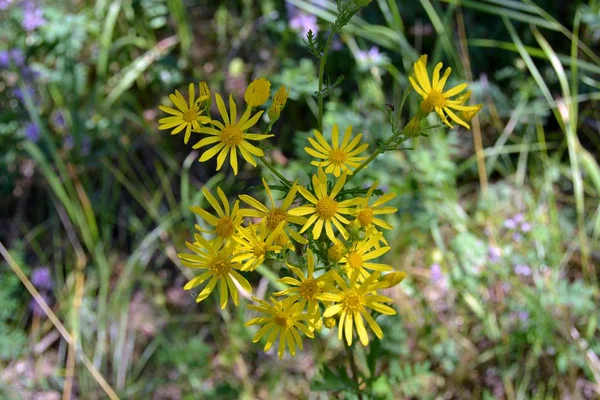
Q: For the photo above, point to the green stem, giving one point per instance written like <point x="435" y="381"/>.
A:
<point x="274" y="170"/>
<point x="354" y="370"/>
<point x="321" y="72"/>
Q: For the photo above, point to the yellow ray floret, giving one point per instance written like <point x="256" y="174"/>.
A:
<point x="216" y="259"/>
<point x="273" y="215"/>
<point x="434" y="96"/>
<point x="227" y="220"/>
<point x="281" y="319"/>
<point x="338" y="157"/>
<point x="254" y="243"/>
<point x="366" y="214"/>
<point x="306" y="288"/>
<point x="352" y="302"/>
<point x="325" y="210"/>
<point x="230" y="136"/>
<point x="187" y="116"/>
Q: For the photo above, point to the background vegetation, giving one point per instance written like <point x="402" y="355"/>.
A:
<point x="498" y="228"/>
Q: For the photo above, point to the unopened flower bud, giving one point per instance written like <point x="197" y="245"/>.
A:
<point x="329" y="322"/>
<point x="336" y="252"/>
<point x="392" y="279"/>
<point x="204" y="91"/>
<point x="279" y="101"/>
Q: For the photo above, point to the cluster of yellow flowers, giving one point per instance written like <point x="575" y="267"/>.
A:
<point x="327" y="236"/>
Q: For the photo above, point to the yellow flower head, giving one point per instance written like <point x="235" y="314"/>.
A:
<point x="434" y="96"/>
<point x="366" y="214"/>
<point x="306" y="288"/>
<point x="353" y="302"/>
<point x="281" y="318"/>
<point x="359" y="255"/>
<point x="216" y="259"/>
<point x="227" y="220"/>
<point x="230" y="136"/>
<point x="188" y="117"/>
<point x="258" y="92"/>
<point x="338" y="157"/>
<point x="329" y="322"/>
<point x="325" y="210"/>
<point x="274" y="215"/>
<point x="255" y="244"/>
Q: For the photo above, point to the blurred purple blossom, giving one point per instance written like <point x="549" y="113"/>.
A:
<point x="522" y="269"/>
<point x="58" y="119"/>
<point x="4" y="4"/>
<point x="35" y="307"/>
<point x="518" y="218"/>
<point x="517" y="237"/>
<point x="494" y="254"/>
<point x="510" y="224"/>
<point x="525" y="227"/>
<point x="20" y="95"/>
<point x="12" y="56"/>
<point x="33" y="16"/>
<point x="436" y="273"/>
<point x="523" y="316"/>
<point x="370" y="57"/>
<point x="41" y="278"/>
<point x="302" y="23"/>
<point x="32" y="132"/>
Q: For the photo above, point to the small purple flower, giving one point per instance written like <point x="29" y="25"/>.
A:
<point x="522" y="269"/>
<point x="523" y="316"/>
<point x="33" y="16"/>
<point x="519" y="218"/>
<point x="494" y="254"/>
<point x="525" y="227"/>
<point x="12" y="56"/>
<point x="517" y="237"/>
<point x="302" y="23"/>
<point x="58" y="119"/>
<point x="4" y="4"/>
<point x="41" y="278"/>
<point x="32" y="132"/>
<point x="510" y="224"/>
<point x="436" y="273"/>
<point x="373" y="56"/>
<point x="20" y="95"/>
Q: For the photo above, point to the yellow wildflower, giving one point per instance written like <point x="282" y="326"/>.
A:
<point x="352" y="301"/>
<point x="258" y="92"/>
<point x="273" y="215"/>
<point x="284" y="319"/>
<point x="434" y="96"/>
<point x="231" y="135"/>
<point x="360" y="253"/>
<point x="188" y="117"/>
<point x="338" y="157"/>
<point x="306" y="288"/>
<point x="227" y="220"/>
<point x="325" y="210"/>
<point x="217" y="260"/>
<point x="254" y="244"/>
<point x="366" y="214"/>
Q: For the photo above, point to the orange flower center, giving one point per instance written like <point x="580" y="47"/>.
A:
<point x="224" y="227"/>
<point x="260" y="249"/>
<point x="309" y="288"/>
<point x="274" y="217"/>
<point x="433" y="100"/>
<point x="190" y="115"/>
<point x="326" y="207"/>
<point x="283" y="321"/>
<point x="220" y="266"/>
<point x="231" y="135"/>
<point x="352" y="301"/>
<point x="365" y="217"/>
<point x="355" y="260"/>
<point x="337" y="156"/>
